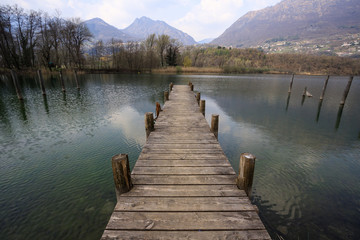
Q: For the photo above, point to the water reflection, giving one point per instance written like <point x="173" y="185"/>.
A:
<point x="46" y="105"/>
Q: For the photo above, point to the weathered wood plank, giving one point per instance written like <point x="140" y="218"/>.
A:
<point x="182" y="151"/>
<point x="199" y="235"/>
<point x="184" y="204"/>
<point x="185" y="221"/>
<point x="184" y="179"/>
<point x="181" y="156"/>
<point x="183" y="170"/>
<point x="182" y="163"/>
<point x="173" y="146"/>
<point x="185" y="191"/>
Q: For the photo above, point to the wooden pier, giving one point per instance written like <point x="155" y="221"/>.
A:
<point x="183" y="185"/>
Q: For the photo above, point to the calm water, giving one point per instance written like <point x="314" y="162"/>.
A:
<point x="55" y="172"/>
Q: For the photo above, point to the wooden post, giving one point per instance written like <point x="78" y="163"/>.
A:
<point x="215" y="124"/>
<point x="304" y="93"/>
<point x="41" y="82"/>
<point x="166" y="96"/>
<point x="62" y="81"/>
<point x="149" y="123"/>
<point x="198" y="97"/>
<point x="202" y="107"/>
<point x="347" y="89"/>
<point x="324" y="88"/>
<point x="121" y="172"/>
<point x="291" y="83"/>
<point x="76" y="79"/>
<point x="171" y="86"/>
<point x="192" y="87"/>
<point x="246" y="172"/>
<point x="16" y="84"/>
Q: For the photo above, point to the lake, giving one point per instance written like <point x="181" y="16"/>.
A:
<point x="55" y="163"/>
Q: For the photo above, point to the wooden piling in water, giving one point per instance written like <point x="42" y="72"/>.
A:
<point x="149" y="123"/>
<point x="324" y="88"/>
<point x="291" y="83"/>
<point x="246" y="172"/>
<point x="198" y="96"/>
<point x="16" y="84"/>
<point x="192" y="87"/>
<point x="202" y="107"/>
<point x="62" y="81"/>
<point x="346" y="92"/>
<point x="166" y="96"/>
<point x="76" y="79"/>
<point x="121" y="172"/>
<point x="304" y="93"/>
<point x="215" y="124"/>
<point x="41" y="82"/>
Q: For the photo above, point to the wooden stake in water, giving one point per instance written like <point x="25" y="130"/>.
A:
<point x="121" y="172"/>
<point x="76" y="79"/>
<point x="246" y="172"/>
<point x="346" y="92"/>
<point x="62" y="81"/>
<point x="291" y="83"/>
<point x="324" y="88"/>
<point x="16" y="84"/>
<point x="41" y="82"/>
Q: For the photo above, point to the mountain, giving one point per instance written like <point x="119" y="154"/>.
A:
<point x="295" y="20"/>
<point x="142" y="27"/>
<point x="104" y="31"/>
<point x="206" y="40"/>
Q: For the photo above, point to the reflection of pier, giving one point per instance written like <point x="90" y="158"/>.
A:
<point x="182" y="186"/>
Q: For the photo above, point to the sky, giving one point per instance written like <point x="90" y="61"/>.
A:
<point x="200" y="19"/>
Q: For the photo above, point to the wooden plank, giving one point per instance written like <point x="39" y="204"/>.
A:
<point x="183" y="170"/>
<point x="199" y="235"/>
<point x="182" y="151"/>
<point x="184" y="204"/>
<point x="185" y="221"/>
<point x="183" y="179"/>
<point x="182" y="163"/>
<point x="181" y="156"/>
<point x="164" y="146"/>
<point x="185" y="191"/>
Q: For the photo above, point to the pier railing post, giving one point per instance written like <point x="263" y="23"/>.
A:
<point x="166" y="96"/>
<point x="346" y="92"/>
<point x="16" y="84"/>
<point x="192" y="87"/>
<point x="215" y="124"/>
<point x="171" y="86"/>
<point x="41" y="82"/>
<point x="198" y="96"/>
<point x="246" y="172"/>
<point x="149" y="123"/>
<point x="121" y="172"/>
<point x="202" y="107"/>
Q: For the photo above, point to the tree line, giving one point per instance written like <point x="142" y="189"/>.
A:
<point x="33" y="39"/>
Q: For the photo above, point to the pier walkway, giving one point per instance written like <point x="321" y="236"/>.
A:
<point x="184" y="186"/>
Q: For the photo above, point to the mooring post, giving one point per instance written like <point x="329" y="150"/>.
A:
<point x="192" y="87"/>
<point x="346" y="92"/>
<point x="291" y="83"/>
<point x="76" y="79"/>
<point x="202" y="107"/>
<point x="166" y="96"/>
<point x="171" y="86"/>
<point x="149" y="123"/>
<point x="215" y="124"/>
<point x="304" y="93"/>
<point x="246" y="172"/>
<point x="324" y="88"/>
<point x="198" y="96"/>
<point x="16" y="84"/>
<point x="41" y="82"/>
<point x="121" y="172"/>
<point x="62" y="81"/>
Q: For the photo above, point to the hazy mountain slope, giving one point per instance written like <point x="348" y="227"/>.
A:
<point x="143" y="27"/>
<point x="104" y="31"/>
<point x="294" y="20"/>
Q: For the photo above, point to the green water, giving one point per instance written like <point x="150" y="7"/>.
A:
<point x="55" y="172"/>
